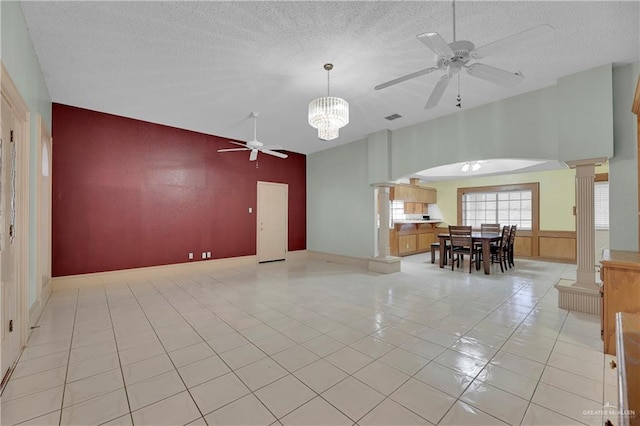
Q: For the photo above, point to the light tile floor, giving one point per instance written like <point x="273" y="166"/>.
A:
<point x="311" y="342"/>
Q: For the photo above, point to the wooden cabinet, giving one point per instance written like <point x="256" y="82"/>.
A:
<point x="628" y="370"/>
<point x="414" y="194"/>
<point x="412" y="238"/>
<point x="425" y="240"/>
<point x="407" y="243"/>
<point x="415" y="208"/>
<point x="620" y="275"/>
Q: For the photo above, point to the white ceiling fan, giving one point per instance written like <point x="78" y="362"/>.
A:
<point x="254" y="145"/>
<point x="452" y="57"/>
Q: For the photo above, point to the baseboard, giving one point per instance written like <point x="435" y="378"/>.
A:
<point x="71" y="282"/>
<point x="339" y="258"/>
<point x="297" y="255"/>
<point x="36" y="309"/>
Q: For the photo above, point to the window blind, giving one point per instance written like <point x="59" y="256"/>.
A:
<point x="601" y="205"/>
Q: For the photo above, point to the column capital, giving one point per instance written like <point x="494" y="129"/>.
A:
<point x="383" y="185"/>
<point x="586" y="162"/>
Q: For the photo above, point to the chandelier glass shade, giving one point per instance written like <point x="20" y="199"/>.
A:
<point x="328" y="114"/>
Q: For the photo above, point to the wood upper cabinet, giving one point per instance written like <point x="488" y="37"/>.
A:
<point x="414" y="194"/>
<point x="415" y="208"/>
<point x="620" y="275"/>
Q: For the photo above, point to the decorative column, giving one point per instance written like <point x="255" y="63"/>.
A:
<point x="585" y="226"/>
<point x="583" y="294"/>
<point x="383" y="262"/>
<point x="384" y="207"/>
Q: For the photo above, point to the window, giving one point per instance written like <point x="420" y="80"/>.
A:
<point x="397" y="210"/>
<point x="503" y="207"/>
<point x="601" y="205"/>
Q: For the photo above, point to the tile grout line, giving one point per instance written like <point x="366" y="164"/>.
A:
<point x="75" y="315"/>
<point x="115" y="339"/>
<point x="133" y="293"/>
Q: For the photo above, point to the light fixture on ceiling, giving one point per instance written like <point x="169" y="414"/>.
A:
<point x="328" y="114"/>
<point x="472" y="166"/>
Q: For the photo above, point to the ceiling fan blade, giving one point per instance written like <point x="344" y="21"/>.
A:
<point x="253" y="155"/>
<point x="539" y="32"/>
<point x="233" y="149"/>
<point x="405" y="78"/>
<point x="236" y="143"/>
<point x="436" y="43"/>
<point x="274" y="153"/>
<point x="272" y="147"/>
<point x="438" y="91"/>
<point x="495" y="75"/>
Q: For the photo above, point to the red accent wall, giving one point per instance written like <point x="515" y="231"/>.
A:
<point x="128" y="194"/>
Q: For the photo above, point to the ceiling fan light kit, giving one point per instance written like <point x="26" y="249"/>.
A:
<point x="328" y="114"/>
<point x="452" y="57"/>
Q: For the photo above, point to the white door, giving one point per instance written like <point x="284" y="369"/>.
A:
<point x="11" y="324"/>
<point x="272" y="221"/>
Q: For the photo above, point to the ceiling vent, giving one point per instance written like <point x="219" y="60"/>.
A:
<point x="392" y="117"/>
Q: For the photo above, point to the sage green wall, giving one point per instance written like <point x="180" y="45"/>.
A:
<point x="623" y="175"/>
<point x="535" y="125"/>
<point x="571" y="120"/>
<point x="340" y="201"/>
<point x="19" y="57"/>
<point x="557" y="195"/>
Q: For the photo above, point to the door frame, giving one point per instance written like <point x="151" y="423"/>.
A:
<point x="9" y="90"/>
<point x="286" y="227"/>
<point x="43" y="253"/>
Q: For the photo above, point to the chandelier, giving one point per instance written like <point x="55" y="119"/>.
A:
<point x="328" y="114"/>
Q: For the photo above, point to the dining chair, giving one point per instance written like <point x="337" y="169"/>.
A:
<point x="490" y="227"/>
<point x="500" y="251"/>
<point x="461" y="244"/>
<point x="512" y="240"/>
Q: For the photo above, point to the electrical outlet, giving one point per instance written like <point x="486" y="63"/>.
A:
<point x="208" y="255"/>
<point x="190" y="255"/>
<point x="204" y="254"/>
<point x="250" y="210"/>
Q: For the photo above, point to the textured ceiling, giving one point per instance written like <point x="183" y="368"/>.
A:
<point x="205" y="66"/>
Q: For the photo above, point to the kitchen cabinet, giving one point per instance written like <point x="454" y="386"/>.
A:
<point x="425" y="240"/>
<point x="415" y="208"/>
<point x="415" y="194"/>
<point x="412" y="237"/>
<point x="407" y="243"/>
<point x="620" y="274"/>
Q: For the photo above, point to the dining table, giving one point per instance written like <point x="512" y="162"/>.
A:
<point x="486" y="238"/>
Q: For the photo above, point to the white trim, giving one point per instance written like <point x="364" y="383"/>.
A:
<point x="10" y="91"/>
<point x="297" y="255"/>
<point x="71" y="282"/>
<point x="43" y="254"/>
<point x="38" y="306"/>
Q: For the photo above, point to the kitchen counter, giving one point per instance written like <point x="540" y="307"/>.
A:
<point x="417" y="221"/>
<point x="412" y="236"/>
